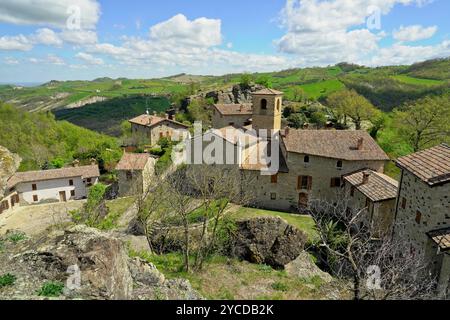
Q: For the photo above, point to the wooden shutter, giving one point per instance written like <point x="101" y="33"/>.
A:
<point x="309" y="183"/>
<point x="299" y="182"/>
<point x="332" y="184"/>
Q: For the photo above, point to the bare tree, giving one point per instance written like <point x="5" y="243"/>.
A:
<point x="215" y="187"/>
<point x="378" y="268"/>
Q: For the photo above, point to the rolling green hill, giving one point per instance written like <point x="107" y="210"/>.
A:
<point x="106" y="116"/>
<point x="41" y="140"/>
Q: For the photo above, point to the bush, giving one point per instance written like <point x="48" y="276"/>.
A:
<point x="51" y="289"/>
<point x="280" y="286"/>
<point x="17" y="237"/>
<point x="157" y="151"/>
<point x="164" y="143"/>
<point x="7" y="280"/>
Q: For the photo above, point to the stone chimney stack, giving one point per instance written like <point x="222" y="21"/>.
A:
<point x="366" y="176"/>
<point x="286" y="131"/>
<point x="360" y="144"/>
<point x="93" y="161"/>
<point x="76" y="163"/>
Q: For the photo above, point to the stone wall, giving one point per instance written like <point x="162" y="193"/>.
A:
<point x="284" y="194"/>
<point x="151" y="135"/>
<point x="269" y="118"/>
<point x="132" y="182"/>
<point x="220" y="121"/>
<point x="432" y="204"/>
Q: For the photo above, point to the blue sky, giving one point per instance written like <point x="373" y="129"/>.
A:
<point x="42" y="40"/>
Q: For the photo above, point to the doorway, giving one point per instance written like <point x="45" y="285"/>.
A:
<point x="303" y="200"/>
<point x="62" y="196"/>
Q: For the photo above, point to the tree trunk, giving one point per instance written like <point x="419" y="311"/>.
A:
<point x="356" y="284"/>
<point x="186" y="244"/>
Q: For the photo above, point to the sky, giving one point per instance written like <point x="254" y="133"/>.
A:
<point x="42" y="40"/>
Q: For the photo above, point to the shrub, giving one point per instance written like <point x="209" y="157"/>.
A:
<point x="7" y="280"/>
<point x="164" y="143"/>
<point x="17" y="237"/>
<point x="280" y="286"/>
<point x="157" y="151"/>
<point x="51" y="289"/>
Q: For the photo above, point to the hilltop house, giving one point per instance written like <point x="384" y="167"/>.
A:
<point x="422" y="214"/>
<point x="238" y="115"/>
<point x="34" y="187"/>
<point x="151" y="128"/>
<point x="312" y="163"/>
<point x="134" y="172"/>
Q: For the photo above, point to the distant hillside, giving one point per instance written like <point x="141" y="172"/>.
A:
<point x="40" y="140"/>
<point x="438" y="69"/>
<point x="106" y="116"/>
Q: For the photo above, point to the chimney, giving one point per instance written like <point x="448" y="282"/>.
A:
<point x="93" y="161"/>
<point x="286" y="131"/>
<point x="76" y="163"/>
<point x="167" y="116"/>
<point x="366" y="176"/>
<point x="360" y="143"/>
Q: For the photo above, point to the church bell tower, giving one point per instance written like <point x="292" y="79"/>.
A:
<point x="267" y="109"/>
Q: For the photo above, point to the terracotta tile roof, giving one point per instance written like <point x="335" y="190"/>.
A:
<point x="150" y="121"/>
<point x="268" y="91"/>
<point x="337" y="144"/>
<point x="133" y="161"/>
<point x="234" y="109"/>
<point x="84" y="172"/>
<point x="378" y="188"/>
<point x="431" y="165"/>
<point x="441" y="237"/>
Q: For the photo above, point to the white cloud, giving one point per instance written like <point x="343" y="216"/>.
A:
<point x="16" y="43"/>
<point x="79" y="37"/>
<point x="414" y="33"/>
<point x="49" y="59"/>
<point x="11" y="61"/>
<point x="47" y="36"/>
<point x="89" y="59"/>
<point x="201" y="32"/>
<point x="323" y="32"/>
<point x="49" y="12"/>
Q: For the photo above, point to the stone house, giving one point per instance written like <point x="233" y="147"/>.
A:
<point x="57" y="185"/>
<point x="422" y="215"/>
<point x="134" y="173"/>
<point x="150" y="129"/>
<point x="374" y="193"/>
<point x="311" y="162"/>
<point x="238" y="115"/>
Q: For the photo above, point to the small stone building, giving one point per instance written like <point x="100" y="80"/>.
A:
<point x="150" y="129"/>
<point x="374" y="193"/>
<point x="422" y="214"/>
<point x="57" y="185"/>
<point x="134" y="172"/>
<point x="237" y="115"/>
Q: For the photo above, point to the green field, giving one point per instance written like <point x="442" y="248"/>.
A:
<point x="417" y="81"/>
<point x="322" y="89"/>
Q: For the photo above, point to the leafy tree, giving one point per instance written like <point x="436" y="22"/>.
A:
<point x="265" y="81"/>
<point x="318" y="118"/>
<point x="296" y="120"/>
<point x="349" y="104"/>
<point x="298" y="94"/>
<point x="425" y="122"/>
<point x="246" y="80"/>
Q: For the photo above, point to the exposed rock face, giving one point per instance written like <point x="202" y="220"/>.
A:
<point x="268" y="240"/>
<point x="9" y="162"/>
<point x="237" y="94"/>
<point x="304" y="267"/>
<point x="107" y="272"/>
<point x="84" y="102"/>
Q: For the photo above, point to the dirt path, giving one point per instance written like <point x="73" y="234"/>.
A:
<point x="35" y="219"/>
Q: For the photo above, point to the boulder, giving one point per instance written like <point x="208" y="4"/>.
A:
<point x="303" y="267"/>
<point x="268" y="240"/>
<point x="9" y="163"/>
<point x="105" y="268"/>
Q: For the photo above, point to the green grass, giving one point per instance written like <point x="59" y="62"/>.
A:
<point x="323" y="88"/>
<point x="17" y="237"/>
<point x="7" y="280"/>
<point x="302" y="222"/>
<point x="417" y="81"/>
<point x="51" y="289"/>
<point x="117" y="208"/>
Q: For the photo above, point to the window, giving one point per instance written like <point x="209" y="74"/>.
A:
<point x="35" y="198"/>
<point x="306" y="159"/>
<point x="273" y="196"/>
<point x="231" y="124"/>
<point x="339" y="164"/>
<point x="72" y="193"/>
<point x="34" y="187"/>
<point x="335" y="182"/>
<point x="263" y="104"/>
<point x="403" y="203"/>
<point x="274" y="178"/>
<point x="129" y="175"/>
<point x="304" y="183"/>
<point x="352" y="191"/>
<point x="89" y="180"/>
<point x="71" y="182"/>
<point x="418" y="217"/>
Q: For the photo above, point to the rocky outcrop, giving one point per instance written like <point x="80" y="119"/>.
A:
<point x="9" y="163"/>
<point x="84" y="102"/>
<point x="303" y="267"/>
<point x="236" y="94"/>
<point x="106" y="270"/>
<point x="268" y="240"/>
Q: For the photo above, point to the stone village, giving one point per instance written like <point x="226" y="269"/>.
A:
<point x="311" y="164"/>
